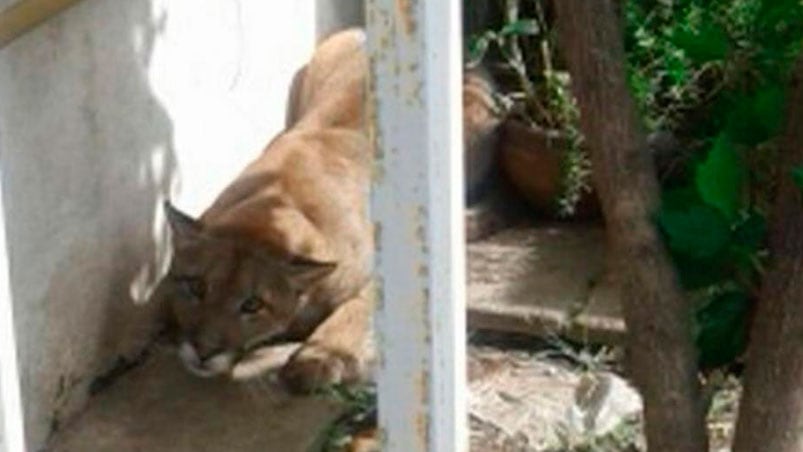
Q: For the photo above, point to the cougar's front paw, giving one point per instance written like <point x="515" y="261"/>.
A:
<point x="315" y="367"/>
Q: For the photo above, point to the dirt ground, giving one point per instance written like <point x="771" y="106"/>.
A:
<point x="559" y="366"/>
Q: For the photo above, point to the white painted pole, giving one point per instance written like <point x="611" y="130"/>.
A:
<point x="12" y="428"/>
<point x="417" y="203"/>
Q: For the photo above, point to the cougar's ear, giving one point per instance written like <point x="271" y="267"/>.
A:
<point x="302" y="271"/>
<point x="185" y="228"/>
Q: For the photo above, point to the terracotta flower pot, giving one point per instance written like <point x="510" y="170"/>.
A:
<point x="531" y="160"/>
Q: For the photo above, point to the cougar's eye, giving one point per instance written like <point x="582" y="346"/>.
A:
<point x="193" y="286"/>
<point x="251" y="305"/>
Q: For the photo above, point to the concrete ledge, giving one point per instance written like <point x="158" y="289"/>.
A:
<point x="160" y="407"/>
<point x="540" y="281"/>
<point x="546" y="280"/>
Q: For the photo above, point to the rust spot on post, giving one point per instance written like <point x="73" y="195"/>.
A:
<point x="404" y="10"/>
<point x="420" y="219"/>
<point x="422" y="418"/>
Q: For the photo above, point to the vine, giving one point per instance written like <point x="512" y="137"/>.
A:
<point x="713" y="75"/>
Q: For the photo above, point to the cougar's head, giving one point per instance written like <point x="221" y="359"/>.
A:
<point x="228" y="295"/>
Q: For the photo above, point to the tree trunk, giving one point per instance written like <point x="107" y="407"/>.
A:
<point x="771" y="413"/>
<point x="661" y="354"/>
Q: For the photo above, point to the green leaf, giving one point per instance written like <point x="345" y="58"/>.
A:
<point x="477" y="47"/>
<point x="778" y="24"/>
<point x="697" y="231"/>
<point x="639" y="86"/>
<point x="676" y="69"/>
<point x="721" y="176"/>
<point x="523" y="27"/>
<point x="768" y="109"/>
<point x="797" y="177"/>
<point x="701" y="273"/>
<point x="755" y="117"/>
<point x="680" y="198"/>
<point x="697" y="267"/>
<point x="751" y="233"/>
<point x="706" y="43"/>
<point x="722" y="329"/>
<point x="738" y="113"/>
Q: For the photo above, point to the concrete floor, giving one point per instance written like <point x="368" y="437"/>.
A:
<point x="544" y="281"/>
<point x="160" y="407"/>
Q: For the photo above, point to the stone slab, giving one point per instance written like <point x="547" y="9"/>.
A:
<point x="521" y="402"/>
<point x="160" y="407"/>
<point x="544" y="280"/>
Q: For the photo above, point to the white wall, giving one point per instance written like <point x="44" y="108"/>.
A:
<point x="105" y="110"/>
<point x="11" y="426"/>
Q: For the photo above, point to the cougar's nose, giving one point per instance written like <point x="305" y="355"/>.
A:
<point x="206" y="347"/>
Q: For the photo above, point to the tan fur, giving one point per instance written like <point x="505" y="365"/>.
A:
<point x="291" y="231"/>
<point x="285" y="252"/>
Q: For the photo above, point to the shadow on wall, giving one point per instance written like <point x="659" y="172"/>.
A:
<point x="87" y="156"/>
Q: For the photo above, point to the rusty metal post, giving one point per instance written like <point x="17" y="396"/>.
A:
<point x="417" y="203"/>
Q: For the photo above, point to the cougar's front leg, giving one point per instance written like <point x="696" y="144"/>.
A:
<point x="340" y="350"/>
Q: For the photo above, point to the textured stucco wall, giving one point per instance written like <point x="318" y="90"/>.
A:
<point x="105" y="110"/>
